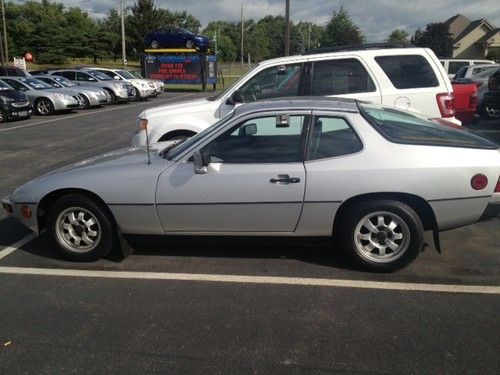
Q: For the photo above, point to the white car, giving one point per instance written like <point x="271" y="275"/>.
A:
<point x="406" y="78"/>
<point x="143" y="88"/>
<point x="452" y="66"/>
<point x="473" y="71"/>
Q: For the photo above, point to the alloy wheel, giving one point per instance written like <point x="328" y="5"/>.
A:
<point x="78" y="230"/>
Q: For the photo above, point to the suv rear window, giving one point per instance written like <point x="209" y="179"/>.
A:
<point x="403" y="127"/>
<point x="408" y="71"/>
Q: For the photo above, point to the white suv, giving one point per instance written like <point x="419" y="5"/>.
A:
<point x="408" y="78"/>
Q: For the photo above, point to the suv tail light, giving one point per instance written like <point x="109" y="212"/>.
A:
<point x="473" y="100"/>
<point x="497" y="188"/>
<point x="493" y="83"/>
<point x="446" y="104"/>
<point x="479" y="181"/>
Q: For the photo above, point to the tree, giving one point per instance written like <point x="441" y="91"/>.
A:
<point x="398" y="36"/>
<point x="438" y="38"/>
<point x="416" y="37"/>
<point x="309" y="36"/>
<point x="341" y="30"/>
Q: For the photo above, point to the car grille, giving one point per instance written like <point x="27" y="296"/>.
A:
<point x="20" y="104"/>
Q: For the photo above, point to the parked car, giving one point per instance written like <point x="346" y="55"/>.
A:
<point x="92" y="96"/>
<point x="143" y="88"/>
<point x="408" y="78"/>
<point x="465" y="101"/>
<point x="492" y="97"/>
<point x="174" y="37"/>
<point x="13" y="104"/>
<point x="118" y="91"/>
<point x="45" y="99"/>
<point x="452" y="66"/>
<point x="292" y="167"/>
<point x="481" y="82"/>
<point x="471" y="71"/>
<point x="159" y="85"/>
<point x="13" y="71"/>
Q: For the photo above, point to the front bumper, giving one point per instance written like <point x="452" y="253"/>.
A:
<point x="61" y="104"/>
<point x="15" y="209"/>
<point x="14" y="111"/>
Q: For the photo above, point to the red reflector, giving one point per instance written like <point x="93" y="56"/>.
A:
<point x="497" y="188"/>
<point x="479" y="181"/>
<point x="446" y="104"/>
<point x="26" y="212"/>
<point x="473" y="101"/>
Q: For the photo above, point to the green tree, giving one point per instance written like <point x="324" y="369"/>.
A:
<point x="309" y="36"/>
<point x="438" y="38"/>
<point x="416" y="37"/>
<point x="398" y="36"/>
<point x="101" y="44"/>
<point x="341" y="30"/>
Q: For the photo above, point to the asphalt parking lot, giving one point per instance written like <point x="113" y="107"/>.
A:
<point x="229" y="305"/>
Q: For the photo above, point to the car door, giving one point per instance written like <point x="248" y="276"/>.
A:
<point x="254" y="183"/>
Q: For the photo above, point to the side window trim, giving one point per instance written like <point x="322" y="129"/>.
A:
<point x="319" y="113"/>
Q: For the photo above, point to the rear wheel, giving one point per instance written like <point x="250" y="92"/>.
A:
<point x="491" y="111"/>
<point x="79" y="228"/>
<point x="190" y="44"/>
<point x="381" y="235"/>
<point x="44" y="107"/>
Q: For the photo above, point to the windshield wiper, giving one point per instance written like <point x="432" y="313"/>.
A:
<point x="166" y="150"/>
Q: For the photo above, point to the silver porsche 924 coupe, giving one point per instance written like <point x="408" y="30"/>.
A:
<point x="373" y="177"/>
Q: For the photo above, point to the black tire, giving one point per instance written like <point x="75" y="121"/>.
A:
<point x="86" y="102"/>
<point x="44" y="107"/>
<point x="58" y="216"/>
<point x="384" y="259"/>
<point x="111" y="95"/>
<point x="154" y="44"/>
<point x="3" y="116"/>
<point x="190" y="44"/>
<point x="138" y="95"/>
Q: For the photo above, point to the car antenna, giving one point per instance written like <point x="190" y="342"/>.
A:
<point x="147" y="145"/>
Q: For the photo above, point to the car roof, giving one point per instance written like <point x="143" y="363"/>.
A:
<point x="303" y="103"/>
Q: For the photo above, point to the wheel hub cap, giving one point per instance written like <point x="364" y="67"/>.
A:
<point x="78" y="230"/>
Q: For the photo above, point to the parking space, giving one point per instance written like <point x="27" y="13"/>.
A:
<point x="231" y="304"/>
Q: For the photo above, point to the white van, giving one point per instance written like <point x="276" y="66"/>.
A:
<point x="408" y="78"/>
<point x="451" y="66"/>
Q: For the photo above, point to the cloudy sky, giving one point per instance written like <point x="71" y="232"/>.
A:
<point x="377" y="18"/>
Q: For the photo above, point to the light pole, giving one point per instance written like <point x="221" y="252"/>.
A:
<point x="5" y="33"/>
<point x="124" y="55"/>
<point x="287" y="28"/>
<point x="242" y="56"/>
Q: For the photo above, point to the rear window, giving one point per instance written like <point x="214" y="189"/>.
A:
<point x="454" y="66"/>
<point x="402" y="127"/>
<point x="408" y="71"/>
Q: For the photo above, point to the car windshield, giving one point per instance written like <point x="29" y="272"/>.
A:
<point x="98" y="75"/>
<point x="402" y="127"/>
<point x="125" y="74"/>
<point x="35" y="83"/>
<point x="184" y="31"/>
<point x="242" y="78"/>
<point x="136" y="74"/>
<point x="181" y="147"/>
<point x="5" y="87"/>
<point x="63" y="81"/>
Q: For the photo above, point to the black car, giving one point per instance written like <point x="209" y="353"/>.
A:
<point x="13" y="104"/>
<point x="492" y="97"/>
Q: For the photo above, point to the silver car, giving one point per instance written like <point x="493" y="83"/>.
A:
<point x="375" y="178"/>
<point x="45" y="99"/>
<point x="159" y="85"/>
<point x="92" y="96"/>
<point x="118" y="91"/>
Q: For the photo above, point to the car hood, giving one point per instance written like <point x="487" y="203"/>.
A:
<point x="15" y="95"/>
<point x="188" y="106"/>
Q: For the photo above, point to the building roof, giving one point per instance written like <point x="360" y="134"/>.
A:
<point x="457" y="24"/>
<point x="489" y="35"/>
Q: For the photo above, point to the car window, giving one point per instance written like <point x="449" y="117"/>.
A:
<point x="277" y="81"/>
<point x="80" y="76"/>
<point x="271" y="139"/>
<point x="5" y="87"/>
<point x="461" y="72"/>
<point x="64" y="81"/>
<point x="98" y="75"/>
<point x="49" y="82"/>
<point x="15" y="84"/>
<point x="454" y="66"/>
<point x="340" y="76"/>
<point x="408" y="71"/>
<point x="68" y="75"/>
<point x="332" y="136"/>
<point x="403" y="127"/>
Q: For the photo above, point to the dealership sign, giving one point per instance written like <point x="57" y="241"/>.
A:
<point x="174" y="68"/>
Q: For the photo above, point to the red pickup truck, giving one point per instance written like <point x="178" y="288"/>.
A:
<point x="465" y="101"/>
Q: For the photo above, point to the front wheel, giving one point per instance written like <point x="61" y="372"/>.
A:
<point x="112" y="96"/>
<point x="491" y="111"/>
<point x="190" y="44"/>
<point x="80" y="229"/>
<point x="381" y="235"/>
<point x="44" y="107"/>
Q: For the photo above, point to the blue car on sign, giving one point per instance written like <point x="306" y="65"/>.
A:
<point x="174" y="37"/>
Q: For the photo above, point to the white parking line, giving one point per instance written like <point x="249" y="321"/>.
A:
<point x="274" y="280"/>
<point x="10" y="249"/>
<point x="91" y="113"/>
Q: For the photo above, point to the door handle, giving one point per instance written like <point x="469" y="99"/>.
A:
<point x="284" y="179"/>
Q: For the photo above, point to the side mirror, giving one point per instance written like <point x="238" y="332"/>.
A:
<point x="248" y="130"/>
<point x="235" y="98"/>
<point x="199" y="165"/>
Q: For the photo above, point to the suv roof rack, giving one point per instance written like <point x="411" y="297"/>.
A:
<point x="358" y="47"/>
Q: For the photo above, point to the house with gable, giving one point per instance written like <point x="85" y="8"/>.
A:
<point x="473" y="39"/>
